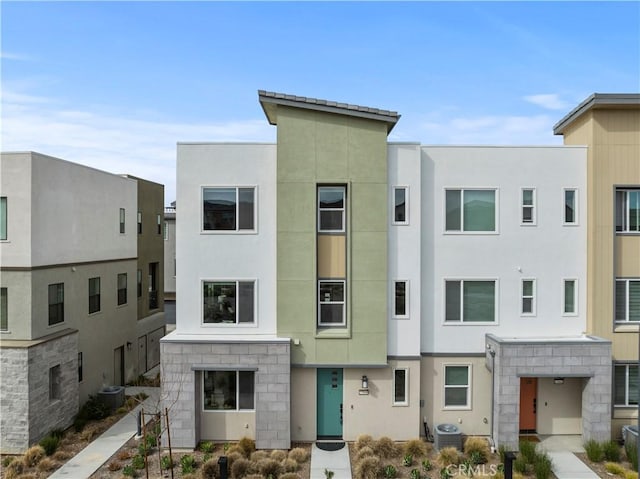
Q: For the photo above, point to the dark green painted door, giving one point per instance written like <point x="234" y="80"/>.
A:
<point x="330" y="403"/>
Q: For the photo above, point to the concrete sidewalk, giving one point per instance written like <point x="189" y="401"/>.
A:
<point x="561" y="449"/>
<point x="92" y="457"/>
<point x="336" y="461"/>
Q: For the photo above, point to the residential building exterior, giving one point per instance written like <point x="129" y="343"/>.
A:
<point x="609" y="124"/>
<point x="170" y="252"/>
<point x="69" y="315"/>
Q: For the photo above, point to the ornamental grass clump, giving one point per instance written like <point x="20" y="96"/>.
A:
<point x="415" y="447"/>
<point x="385" y="448"/>
<point x="611" y="451"/>
<point x="210" y="469"/>
<point x="448" y="456"/>
<point x="363" y="452"/>
<point x="278" y="455"/>
<point x="299" y="454"/>
<point x="240" y="468"/>
<point x="368" y="468"/>
<point x="542" y="466"/>
<point x="527" y="451"/>
<point x="247" y="445"/>
<point x="48" y="464"/>
<point x="477" y="449"/>
<point x="614" y="468"/>
<point x="594" y="451"/>
<point x="269" y="467"/>
<point x="34" y="455"/>
<point x="290" y="475"/>
<point x="363" y="440"/>
<point x="290" y="465"/>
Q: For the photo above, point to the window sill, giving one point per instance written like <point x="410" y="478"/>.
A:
<point x="570" y="224"/>
<point x="228" y="232"/>
<point x="331" y="333"/>
<point x="228" y="325"/>
<point x="400" y="404"/>
<point x="626" y="328"/>
<point x="400" y="318"/>
<point x="456" y="408"/>
<point x="471" y="233"/>
<point x="528" y="224"/>
<point x="627" y="233"/>
<point x="406" y="223"/>
<point x="95" y="313"/>
<point x="470" y="323"/>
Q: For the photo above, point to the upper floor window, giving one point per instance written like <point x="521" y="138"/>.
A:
<point x="627" y="300"/>
<point x="331" y="208"/>
<point x="4" y="310"/>
<point x="470" y="210"/>
<point x="528" y="300"/>
<point x="457" y="386"/>
<point x="570" y="206"/>
<point x="229" y="302"/>
<point x="122" y="288"/>
<point x="139" y="283"/>
<point x="400" y="387"/>
<point x="159" y="223"/>
<point x="94" y="295"/>
<point x="528" y="206"/>
<point x="166" y="230"/>
<point x="570" y="295"/>
<point x="400" y="299"/>
<point x="228" y="209"/>
<point x="3" y="218"/>
<point x="400" y="206"/>
<point x="80" y="360"/>
<point x="468" y="301"/>
<point x="139" y="222"/>
<point x="625" y="385"/>
<point x="331" y="303"/>
<point x="56" y="303"/>
<point x="628" y="210"/>
<point x="122" y="217"/>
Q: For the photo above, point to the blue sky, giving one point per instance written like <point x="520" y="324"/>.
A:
<point x="116" y="85"/>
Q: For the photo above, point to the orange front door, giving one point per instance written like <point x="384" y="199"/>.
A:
<point x="528" y="404"/>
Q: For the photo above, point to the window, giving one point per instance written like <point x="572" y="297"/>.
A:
<point x="570" y="207"/>
<point x="470" y="210"/>
<point x="159" y="224"/>
<point x="399" y="299"/>
<point x="122" y="288"/>
<point x="228" y="209"/>
<point x="3" y="218"/>
<point x="627" y="300"/>
<point x="94" y="295"/>
<point x="528" y="300"/>
<point x="139" y="283"/>
<point x="139" y="222"/>
<point x="625" y="385"/>
<point x="331" y="310"/>
<point x="331" y="208"/>
<point x="570" y="297"/>
<point x="229" y="302"/>
<point x="470" y="301"/>
<point x="54" y="383"/>
<point x="228" y="390"/>
<point x="56" y="303"/>
<point x="400" y="387"/>
<point x="166" y="230"/>
<point x="528" y="205"/>
<point x="4" y="310"/>
<point x="628" y="210"/>
<point x="122" y="216"/>
<point x="457" y="386"/>
<point x="400" y="210"/>
<point x="79" y="367"/>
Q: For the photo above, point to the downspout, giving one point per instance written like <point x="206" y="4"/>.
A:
<point x="493" y="396"/>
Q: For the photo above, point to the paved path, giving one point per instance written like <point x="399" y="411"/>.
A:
<point x="336" y="461"/>
<point x="92" y="457"/>
<point x="567" y="466"/>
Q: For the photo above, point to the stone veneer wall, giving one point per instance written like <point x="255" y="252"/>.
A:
<point x="27" y="413"/>
<point x="180" y="360"/>
<point x="589" y="359"/>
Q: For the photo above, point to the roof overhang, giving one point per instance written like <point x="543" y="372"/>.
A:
<point x="598" y="101"/>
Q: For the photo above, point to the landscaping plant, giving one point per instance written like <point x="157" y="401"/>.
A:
<point x="368" y="468"/>
<point x="415" y="474"/>
<point x="390" y="472"/>
<point x="407" y="460"/>
<point x="415" y="447"/>
<point x="542" y="466"/>
<point x="187" y="464"/>
<point x="594" y="451"/>
<point x="477" y="448"/>
<point x="611" y="451"/>
<point x="527" y="451"/>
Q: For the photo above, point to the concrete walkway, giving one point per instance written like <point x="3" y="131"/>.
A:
<point x="336" y="461"/>
<point x="561" y="450"/>
<point x="92" y="457"/>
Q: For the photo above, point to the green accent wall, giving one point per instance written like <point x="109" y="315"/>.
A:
<point x="324" y="148"/>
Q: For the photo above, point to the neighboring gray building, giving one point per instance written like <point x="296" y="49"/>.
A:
<point x="170" y="252"/>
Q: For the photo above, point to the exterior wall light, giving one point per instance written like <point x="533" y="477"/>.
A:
<point x="558" y="380"/>
<point x="365" y="382"/>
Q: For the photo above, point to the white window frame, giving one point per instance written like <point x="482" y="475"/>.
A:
<point x="237" y="408"/>
<point x="254" y="230"/>
<point x="343" y="209"/>
<point x="405" y="402"/>
<point x="532" y="297"/>
<point x="343" y="302"/>
<point x="57" y="285"/>
<point x="576" y="210"/>
<point x="4" y="309"/>
<point x="166" y="231"/>
<point x="4" y="220"/>
<point x="626" y="385"/>
<point x="467" y="406"/>
<point x="626" y="282"/>
<point x="496" y="203"/>
<point x="237" y="324"/>
<point x="575" y="297"/>
<point x="462" y="322"/>
<point x="122" y="219"/>
<point x="118" y="289"/>
<point x="99" y="295"/>
<point x="55" y="379"/>
<point x="533" y="207"/>
<point x="626" y="213"/>
<point x="406" y="205"/>
<point x="139" y="222"/>
<point x="406" y="299"/>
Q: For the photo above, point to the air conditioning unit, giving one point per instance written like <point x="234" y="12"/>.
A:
<point x="447" y="435"/>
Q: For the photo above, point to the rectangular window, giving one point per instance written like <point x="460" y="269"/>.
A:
<point x="528" y="205"/>
<point x="54" y="383"/>
<point x="56" y="303"/>
<point x="331" y="302"/>
<point x="79" y="367"/>
<point x="457" y="386"/>
<point x="166" y="230"/>
<point x="400" y="299"/>
<point x="627" y="300"/>
<point x="570" y="207"/>
<point x="570" y="297"/>
<point x="625" y="385"/>
<point x="3" y="218"/>
<point x="229" y="302"/>
<point x="139" y="222"/>
<point x="228" y="209"/>
<point x="628" y="210"/>
<point x="400" y="387"/>
<point x="470" y="210"/>
<point x="228" y="390"/>
<point x="4" y="310"/>
<point x="139" y="283"/>
<point x="470" y="301"/>
<point x="159" y="223"/>
<point x="400" y="206"/>
<point x="122" y="288"/>
<point x="528" y="300"/>
<point x="331" y="209"/>
<point x="122" y="217"/>
<point x="94" y="295"/>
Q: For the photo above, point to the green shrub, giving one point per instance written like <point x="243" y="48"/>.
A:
<point x="166" y="462"/>
<point x="144" y="449"/>
<point x="367" y="468"/>
<point x="502" y="451"/>
<point x="445" y="473"/>
<point x="477" y="448"/>
<point x="95" y="409"/>
<point x="151" y="441"/>
<point x="594" y="450"/>
<point x="520" y="465"/>
<point x="50" y="444"/>
<point x="407" y="460"/>
<point x="414" y="474"/>
<point x="542" y="466"/>
<point x="426" y="465"/>
<point x="632" y="454"/>
<point x="415" y="447"/>
<point x="206" y="446"/>
<point x="630" y="475"/>
<point x="390" y="472"/>
<point x="7" y="460"/>
<point x="138" y="461"/>
<point x="129" y="471"/>
<point x="527" y="451"/>
<point x="187" y="464"/>
<point x="328" y="474"/>
<point x="614" y="468"/>
<point x="611" y="451"/>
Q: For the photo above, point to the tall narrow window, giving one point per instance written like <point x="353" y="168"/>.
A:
<point x="4" y="310"/>
<point x="400" y="299"/>
<point x="457" y="387"/>
<point x="79" y="367"/>
<point x="570" y="295"/>
<point x="166" y="230"/>
<point x="54" y="383"/>
<point x="229" y="302"/>
<point x="627" y="300"/>
<point x="228" y="209"/>
<point x="528" y="206"/>
<point x="139" y="222"/>
<point x="528" y="303"/>
<point x="331" y="209"/>
<point x="159" y="223"/>
<point x="468" y="301"/>
<point x="3" y="218"/>
<point x="628" y="210"/>
<point x="122" y="218"/>
<point x="570" y="207"/>
<point x="94" y="295"/>
<point x="470" y="210"/>
<point x="56" y="303"/>
<point x="331" y="301"/>
<point x="139" y="283"/>
<point x="122" y="288"/>
<point x="400" y="206"/>
<point x="400" y="387"/>
<point x="625" y="385"/>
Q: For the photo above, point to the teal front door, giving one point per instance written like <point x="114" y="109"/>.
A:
<point x="330" y="403"/>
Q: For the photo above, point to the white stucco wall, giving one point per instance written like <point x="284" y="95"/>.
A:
<point x="546" y="252"/>
<point x="225" y="256"/>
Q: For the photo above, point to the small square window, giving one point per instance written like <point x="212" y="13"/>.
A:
<point x="331" y="209"/>
<point x="469" y="210"/>
<point x="470" y="301"/>
<point x="228" y="209"/>
<point x="229" y="302"/>
<point x="331" y="303"/>
<point x="228" y="390"/>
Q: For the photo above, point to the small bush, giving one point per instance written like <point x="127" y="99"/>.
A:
<point x="187" y="464"/>
<point x="210" y="469"/>
<point x="253" y="476"/>
<point x="137" y="462"/>
<point x="62" y="456"/>
<point x="258" y="456"/>
<point x="448" y="456"/>
<point x="363" y="440"/>
<point x="290" y="475"/>
<point x="407" y="460"/>
<point x="385" y="448"/>
<point x="299" y="454"/>
<point x="114" y="466"/>
<point x="206" y="446"/>
<point x="542" y="466"/>
<point x="445" y="473"/>
<point x="520" y="465"/>
<point x="476" y="457"/>
<point x="33" y="456"/>
<point x="290" y="465"/>
<point x="477" y="448"/>
<point x="240" y="468"/>
<point x="166" y="462"/>
<point x="7" y="460"/>
<point x="415" y="474"/>
<point x="15" y="468"/>
<point x="79" y="423"/>
<point x="144" y="449"/>
<point x="630" y="475"/>
<point x="367" y="468"/>
<point x="390" y="472"/>
<point x="632" y="455"/>
<point x="48" y="464"/>
<point x="123" y="455"/>
<point x="50" y="444"/>
<point x="611" y="451"/>
<point x="502" y="451"/>
<point x="594" y="450"/>
<point x="232" y="457"/>
<point x="269" y="467"/>
<point x="89" y="432"/>
<point x="527" y="451"/>
<point x="234" y="448"/>
<point x="426" y="465"/>
<point x="94" y="409"/>
<point x="278" y="455"/>
<point x="415" y="447"/>
<point x="614" y="468"/>
<point x="247" y="445"/>
<point x="129" y="471"/>
<point x="364" y="451"/>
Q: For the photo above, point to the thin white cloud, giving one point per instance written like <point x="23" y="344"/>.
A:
<point x="14" y="56"/>
<point x="550" y="101"/>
